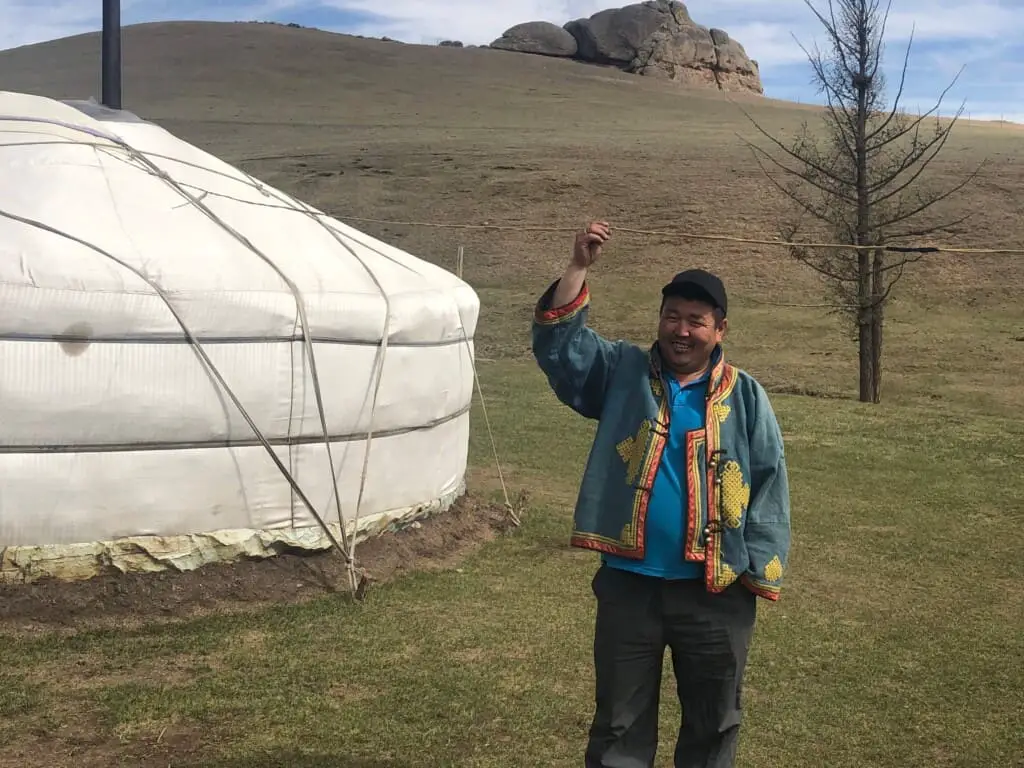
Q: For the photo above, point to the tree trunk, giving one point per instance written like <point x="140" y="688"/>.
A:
<point x="865" y="312"/>
<point x="877" y="324"/>
<point x="865" y="327"/>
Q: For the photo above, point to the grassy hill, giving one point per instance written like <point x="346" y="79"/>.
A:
<point x="390" y="131"/>
<point x="901" y="615"/>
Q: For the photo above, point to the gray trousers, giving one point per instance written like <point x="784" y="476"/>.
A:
<point x="708" y="636"/>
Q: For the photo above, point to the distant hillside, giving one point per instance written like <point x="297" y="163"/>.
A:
<point x="388" y="130"/>
<point x="241" y="62"/>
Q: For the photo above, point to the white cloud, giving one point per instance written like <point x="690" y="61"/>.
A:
<point x="27" y="21"/>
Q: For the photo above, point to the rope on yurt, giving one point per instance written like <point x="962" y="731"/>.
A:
<point x="313" y="214"/>
<point x="300" y="306"/>
<point x="194" y="342"/>
<point x="293" y="204"/>
<point x="319" y="216"/>
<point x="509" y="508"/>
<point x="297" y="295"/>
<point x="354" y="581"/>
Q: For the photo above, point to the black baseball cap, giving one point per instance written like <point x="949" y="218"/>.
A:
<point x="698" y="284"/>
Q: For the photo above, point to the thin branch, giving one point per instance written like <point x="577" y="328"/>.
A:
<point x="836" y="39"/>
<point x="916" y="122"/>
<point x="934" y="147"/>
<point x="805" y="177"/>
<point x="803" y="255"/>
<point x="912" y="234"/>
<point x="892" y="284"/>
<point x="913" y="155"/>
<point x="808" y="207"/>
<point x="899" y="93"/>
<point x="881" y="36"/>
<point x="931" y="200"/>
<point x="820" y="72"/>
<point x="830" y="274"/>
<point x="903" y="262"/>
<point x="796" y="156"/>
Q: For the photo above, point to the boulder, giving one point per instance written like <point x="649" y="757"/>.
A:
<point x="736" y="71"/>
<point x="657" y="38"/>
<point x="614" y="36"/>
<point x="539" y="37"/>
<point x="670" y="52"/>
<point x="694" y="55"/>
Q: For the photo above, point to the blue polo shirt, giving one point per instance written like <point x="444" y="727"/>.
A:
<point x="666" y="509"/>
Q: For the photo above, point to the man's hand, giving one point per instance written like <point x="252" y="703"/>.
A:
<point x="588" y="243"/>
<point x="585" y="252"/>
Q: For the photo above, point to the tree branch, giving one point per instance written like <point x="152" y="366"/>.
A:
<point x="792" y="195"/>
<point x="796" y="156"/>
<point x="925" y="231"/>
<point x="913" y="155"/>
<point x="881" y="36"/>
<point x="929" y="201"/>
<point x="915" y="123"/>
<point x="899" y="92"/>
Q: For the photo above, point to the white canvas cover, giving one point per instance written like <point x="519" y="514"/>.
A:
<point x="112" y="425"/>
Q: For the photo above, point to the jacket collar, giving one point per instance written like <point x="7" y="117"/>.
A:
<point x="717" y="370"/>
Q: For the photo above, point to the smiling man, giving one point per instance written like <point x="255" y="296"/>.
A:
<point x="685" y="494"/>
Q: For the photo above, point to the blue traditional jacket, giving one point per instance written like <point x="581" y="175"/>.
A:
<point x="737" y="494"/>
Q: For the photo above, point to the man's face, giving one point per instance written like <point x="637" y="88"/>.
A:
<point x="688" y="332"/>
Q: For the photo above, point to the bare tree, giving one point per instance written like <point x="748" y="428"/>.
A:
<point x="859" y="181"/>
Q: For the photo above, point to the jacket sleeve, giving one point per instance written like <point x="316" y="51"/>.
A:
<point x="576" y="360"/>
<point x="767" y="528"/>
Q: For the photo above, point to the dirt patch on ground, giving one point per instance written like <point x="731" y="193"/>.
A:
<point x="82" y="742"/>
<point x="119" y="599"/>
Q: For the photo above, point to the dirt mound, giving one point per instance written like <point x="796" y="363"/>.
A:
<point x="119" y="599"/>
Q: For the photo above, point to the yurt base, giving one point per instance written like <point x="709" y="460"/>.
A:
<point x="429" y="542"/>
<point x="149" y="554"/>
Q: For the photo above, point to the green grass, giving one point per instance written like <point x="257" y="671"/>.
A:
<point x="892" y="645"/>
<point x="898" y="639"/>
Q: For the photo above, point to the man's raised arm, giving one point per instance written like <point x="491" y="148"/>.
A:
<point x="577" y="362"/>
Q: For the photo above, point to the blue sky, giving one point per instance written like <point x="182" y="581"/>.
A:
<point x="987" y="35"/>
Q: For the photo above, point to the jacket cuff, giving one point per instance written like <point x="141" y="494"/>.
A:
<point x="545" y="315"/>
<point x="760" y="588"/>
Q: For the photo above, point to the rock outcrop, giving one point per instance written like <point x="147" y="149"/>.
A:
<point x="540" y="37"/>
<point x="657" y="38"/>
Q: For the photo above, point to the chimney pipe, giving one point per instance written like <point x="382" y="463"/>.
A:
<point x="111" y="54"/>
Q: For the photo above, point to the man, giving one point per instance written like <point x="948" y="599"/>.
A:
<point x="685" y="494"/>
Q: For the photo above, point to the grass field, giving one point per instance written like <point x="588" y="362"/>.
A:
<point x="899" y="635"/>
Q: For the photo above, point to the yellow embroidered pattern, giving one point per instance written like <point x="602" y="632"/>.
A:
<point x="773" y="571"/>
<point x="726" y="575"/>
<point x="632" y="450"/>
<point x="722" y="412"/>
<point x="627" y="533"/>
<point x="735" y="495"/>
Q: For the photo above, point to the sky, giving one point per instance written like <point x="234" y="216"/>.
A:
<point x="986" y="37"/>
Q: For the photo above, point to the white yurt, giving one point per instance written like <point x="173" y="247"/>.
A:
<point x="195" y="366"/>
